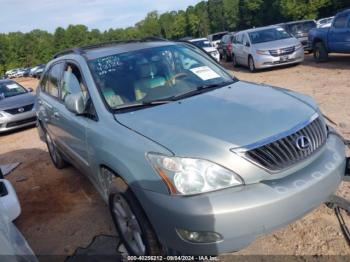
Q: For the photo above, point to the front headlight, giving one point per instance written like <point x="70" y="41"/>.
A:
<point x="188" y="176"/>
<point x="263" y="52"/>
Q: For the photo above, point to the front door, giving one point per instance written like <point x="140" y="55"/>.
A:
<point x="339" y="34"/>
<point x="71" y="130"/>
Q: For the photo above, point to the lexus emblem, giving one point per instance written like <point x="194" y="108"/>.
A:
<point x="21" y="109"/>
<point x="303" y="143"/>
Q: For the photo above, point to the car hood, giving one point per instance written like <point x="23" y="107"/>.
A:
<point x="230" y="117"/>
<point x="210" y="49"/>
<point x="277" y="44"/>
<point x="17" y="101"/>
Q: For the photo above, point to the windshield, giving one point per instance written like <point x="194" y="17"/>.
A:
<point x="201" y="43"/>
<point x="303" y="27"/>
<point x="154" y="74"/>
<point x="8" y="89"/>
<point x="268" y="35"/>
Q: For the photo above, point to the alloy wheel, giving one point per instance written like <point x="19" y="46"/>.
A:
<point x="128" y="225"/>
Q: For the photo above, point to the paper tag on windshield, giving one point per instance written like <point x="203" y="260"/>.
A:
<point x="205" y="73"/>
<point x="12" y="86"/>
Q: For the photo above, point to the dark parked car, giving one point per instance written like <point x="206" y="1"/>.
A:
<point x="225" y="47"/>
<point x="332" y="39"/>
<point x="38" y="71"/>
<point x="300" y="30"/>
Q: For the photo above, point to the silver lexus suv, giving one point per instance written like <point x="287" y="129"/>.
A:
<point x="189" y="159"/>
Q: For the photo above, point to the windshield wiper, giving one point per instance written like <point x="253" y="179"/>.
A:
<point x="200" y="90"/>
<point x="143" y="104"/>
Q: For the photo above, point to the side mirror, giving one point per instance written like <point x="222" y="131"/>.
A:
<point x="30" y="89"/>
<point x="247" y="44"/>
<point x="8" y="200"/>
<point x="75" y="103"/>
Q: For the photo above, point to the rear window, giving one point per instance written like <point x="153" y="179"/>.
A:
<point x="302" y="27"/>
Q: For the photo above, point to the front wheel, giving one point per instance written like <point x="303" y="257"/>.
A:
<point x="320" y="52"/>
<point x="251" y="64"/>
<point x="132" y="225"/>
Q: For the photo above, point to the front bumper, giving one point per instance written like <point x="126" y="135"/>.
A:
<point x="267" y="61"/>
<point x="11" y="122"/>
<point x="242" y="214"/>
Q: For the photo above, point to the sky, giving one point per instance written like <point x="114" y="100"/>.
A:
<point x="26" y="15"/>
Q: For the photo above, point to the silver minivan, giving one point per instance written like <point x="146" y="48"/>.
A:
<point x="266" y="47"/>
<point x="189" y="159"/>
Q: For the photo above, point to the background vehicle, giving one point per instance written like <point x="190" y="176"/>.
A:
<point x="266" y="47"/>
<point x="215" y="39"/>
<point x="13" y="246"/>
<point x="169" y="159"/>
<point x="324" y="22"/>
<point x="36" y="73"/>
<point x="225" y="47"/>
<point x="16" y="106"/>
<point x="300" y="30"/>
<point x="335" y="39"/>
<point x="205" y="44"/>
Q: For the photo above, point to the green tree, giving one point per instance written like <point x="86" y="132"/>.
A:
<point x="231" y="14"/>
<point x="302" y="9"/>
<point x="216" y="15"/>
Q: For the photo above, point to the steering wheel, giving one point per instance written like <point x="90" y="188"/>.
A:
<point x="172" y="80"/>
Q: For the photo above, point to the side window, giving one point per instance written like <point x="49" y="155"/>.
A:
<point x="54" y="80"/>
<point x="340" y="21"/>
<point x="43" y="82"/>
<point x="72" y="82"/>
<point x="244" y="40"/>
<point x="239" y="39"/>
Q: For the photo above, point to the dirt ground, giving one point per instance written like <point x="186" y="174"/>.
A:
<point x="61" y="210"/>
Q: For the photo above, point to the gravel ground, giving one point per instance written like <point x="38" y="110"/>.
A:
<point x="61" y="210"/>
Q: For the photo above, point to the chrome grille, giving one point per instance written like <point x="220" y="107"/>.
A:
<point x="282" y="51"/>
<point x="18" y="110"/>
<point x="283" y="153"/>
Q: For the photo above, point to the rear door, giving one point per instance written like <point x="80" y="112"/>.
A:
<point x="49" y="98"/>
<point x="339" y="34"/>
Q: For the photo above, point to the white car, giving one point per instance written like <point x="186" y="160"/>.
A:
<point x="12" y="244"/>
<point x="205" y="44"/>
<point x="325" y="22"/>
<point x="215" y="39"/>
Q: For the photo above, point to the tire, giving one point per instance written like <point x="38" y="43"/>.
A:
<point x="227" y="57"/>
<point x="320" y="53"/>
<point x="133" y="227"/>
<point x="251" y="64"/>
<point x="56" y="156"/>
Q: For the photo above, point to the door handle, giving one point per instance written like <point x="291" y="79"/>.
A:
<point x="56" y="115"/>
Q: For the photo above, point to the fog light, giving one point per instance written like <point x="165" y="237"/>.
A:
<point x="199" y="236"/>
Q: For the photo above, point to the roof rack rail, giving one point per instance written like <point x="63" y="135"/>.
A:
<point x="81" y="50"/>
<point x="78" y="51"/>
